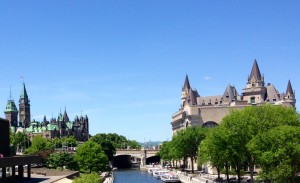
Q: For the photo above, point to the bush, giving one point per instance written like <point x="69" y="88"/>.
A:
<point x="88" y="178"/>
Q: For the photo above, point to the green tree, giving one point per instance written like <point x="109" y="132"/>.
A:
<point x="187" y="142"/>
<point x="214" y="150"/>
<point x="91" y="157"/>
<point x="59" y="160"/>
<point x="133" y="144"/>
<point x="40" y="146"/>
<point x="106" y="144"/>
<point x="88" y="178"/>
<point x="243" y="125"/>
<point x="278" y="153"/>
<point x="69" y="141"/>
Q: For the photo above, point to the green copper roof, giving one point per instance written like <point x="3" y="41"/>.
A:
<point x="69" y="125"/>
<point x="11" y="106"/>
<point x="24" y="92"/>
<point x="52" y="127"/>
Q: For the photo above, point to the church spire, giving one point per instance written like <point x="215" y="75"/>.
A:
<point x="255" y="73"/>
<point x="289" y="91"/>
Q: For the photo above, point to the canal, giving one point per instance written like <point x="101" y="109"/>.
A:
<point x="134" y="176"/>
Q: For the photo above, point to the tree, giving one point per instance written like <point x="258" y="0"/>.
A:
<point x="214" y="150"/>
<point x="40" y="146"/>
<point x="59" y="160"/>
<point x="88" y="178"/>
<point x="106" y="144"/>
<point x="21" y="141"/>
<point x="70" y="141"/>
<point x="188" y="141"/>
<point x="133" y="144"/>
<point x="91" y="157"/>
<point x="278" y="152"/>
<point x="243" y="125"/>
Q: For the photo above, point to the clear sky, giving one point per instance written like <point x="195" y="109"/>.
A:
<point x="123" y="62"/>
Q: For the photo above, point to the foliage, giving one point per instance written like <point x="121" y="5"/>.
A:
<point x="88" y="178"/>
<point x="40" y="146"/>
<point x="19" y="141"/>
<point x="278" y="152"/>
<point x="133" y="144"/>
<point x="59" y="160"/>
<point x="112" y="141"/>
<point x="69" y="141"/>
<point x="91" y="157"/>
<point x="236" y="131"/>
<point x="184" y="144"/>
<point x="39" y="143"/>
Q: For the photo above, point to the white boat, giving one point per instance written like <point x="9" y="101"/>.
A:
<point x="158" y="174"/>
<point x="152" y="170"/>
<point x="170" y="177"/>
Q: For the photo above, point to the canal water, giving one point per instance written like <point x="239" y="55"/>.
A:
<point x="134" y="176"/>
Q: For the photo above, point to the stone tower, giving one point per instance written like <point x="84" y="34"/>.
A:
<point x="255" y="92"/>
<point x="185" y="89"/>
<point x="11" y="112"/>
<point x="24" y="107"/>
<point x="290" y="95"/>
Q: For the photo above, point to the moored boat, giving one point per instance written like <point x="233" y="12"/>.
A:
<point x="152" y="170"/>
<point x="170" y="177"/>
<point x="158" y="174"/>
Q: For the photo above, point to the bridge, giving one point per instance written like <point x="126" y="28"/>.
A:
<point x="143" y="157"/>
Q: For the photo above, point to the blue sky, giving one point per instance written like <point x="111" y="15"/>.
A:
<point x="123" y="62"/>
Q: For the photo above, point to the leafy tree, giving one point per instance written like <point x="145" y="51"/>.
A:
<point x="214" y="150"/>
<point x="133" y="144"/>
<point x="278" y="152"/>
<point x="57" y="142"/>
<point x="59" y="160"/>
<point x="187" y="141"/>
<point x="106" y="144"/>
<point x="243" y="125"/>
<point x="69" y="141"/>
<point x="88" y="178"/>
<point x="91" y="156"/>
<point x="40" y="146"/>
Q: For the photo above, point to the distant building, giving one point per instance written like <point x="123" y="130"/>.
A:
<point x="208" y="111"/>
<point x="55" y="128"/>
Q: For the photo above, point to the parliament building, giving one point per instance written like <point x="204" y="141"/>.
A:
<point x="53" y="128"/>
<point x="208" y="111"/>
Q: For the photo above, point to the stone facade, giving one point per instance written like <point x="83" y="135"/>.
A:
<point x="54" y="128"/>
<point x="207" y="111"/>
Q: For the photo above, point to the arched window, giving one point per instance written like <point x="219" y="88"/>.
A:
<point x="210" y="124"/>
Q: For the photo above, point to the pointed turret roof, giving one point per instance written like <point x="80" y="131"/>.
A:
<point x="11" y="106"/>
<point x="187" y="83"/>
<point x="289" y="90"/>
<point x="24" y="92"/>
<point x="192" y="97"/>
<point x="255" y="72"/>
<point x="66" y="117"/>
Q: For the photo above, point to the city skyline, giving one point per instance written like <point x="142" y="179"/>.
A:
<point x="123" y="63"/>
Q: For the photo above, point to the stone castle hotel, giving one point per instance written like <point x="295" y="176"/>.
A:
<point x="54" y="128"/>
<point x="208" y="111"/>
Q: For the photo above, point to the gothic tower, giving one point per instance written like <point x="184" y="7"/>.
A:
<point x="185" y="89"/>
<point x="255" y="92"/>
<point x="290" y="95"/>
<point x="11" y="112"/>
<point x="24" y="107"/>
